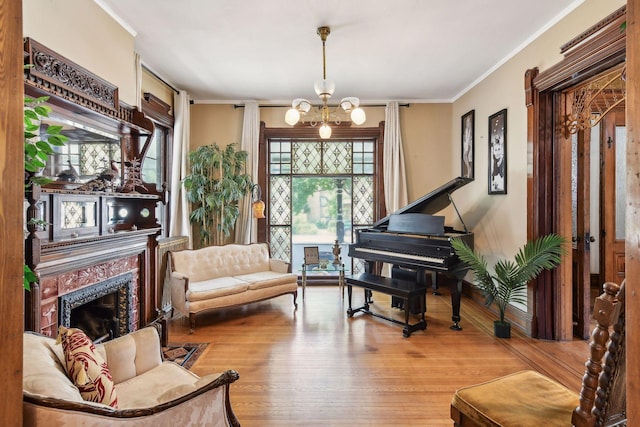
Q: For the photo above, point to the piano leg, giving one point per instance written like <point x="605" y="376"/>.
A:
<point x="373" y="268"/>
<point x="434" y="283"/>
<point x="456" y="292"/>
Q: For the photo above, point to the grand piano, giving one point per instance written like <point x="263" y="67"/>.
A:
<point x="414" y="240"/>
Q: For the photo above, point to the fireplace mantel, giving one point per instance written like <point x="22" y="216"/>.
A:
<point x="92" y="236"/>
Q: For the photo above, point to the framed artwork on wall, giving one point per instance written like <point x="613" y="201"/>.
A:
<point x="498" y="152"/>
<point x="468" y="144"/>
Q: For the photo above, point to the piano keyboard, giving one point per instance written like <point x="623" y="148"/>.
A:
<point x="402" y="255"/>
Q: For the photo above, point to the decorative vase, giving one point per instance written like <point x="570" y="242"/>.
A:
<point x="502" y="329"/>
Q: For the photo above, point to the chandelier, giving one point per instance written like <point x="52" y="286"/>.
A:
<point x="324" y="89"/>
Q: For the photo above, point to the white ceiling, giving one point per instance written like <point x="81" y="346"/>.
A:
<point x="378" y="50"/>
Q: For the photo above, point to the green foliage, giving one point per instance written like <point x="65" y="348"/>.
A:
<point x="215" y="186"/>
<point x="508" y="282"/>
<point x="38" y="147"/>
<point x="300" y="225"/>
<point x="305" y="187"/>
<point x="28" y="277"/>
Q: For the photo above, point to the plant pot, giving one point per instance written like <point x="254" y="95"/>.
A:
<point x="502" y="329"/>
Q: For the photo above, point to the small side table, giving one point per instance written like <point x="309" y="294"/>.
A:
<point x="315" y="268"/>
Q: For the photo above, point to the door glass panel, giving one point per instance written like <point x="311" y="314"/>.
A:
<point x="621" y="180"/>
<point x="321" y="214"/>
<point x="594" y="202"/>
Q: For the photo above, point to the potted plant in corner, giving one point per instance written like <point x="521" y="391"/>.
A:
<point x="215" y="186"/>
<point x="508" y="281"/>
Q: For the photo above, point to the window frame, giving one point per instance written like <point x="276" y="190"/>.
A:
<point x="342" y="132"/>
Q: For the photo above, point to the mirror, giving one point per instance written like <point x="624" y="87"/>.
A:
<point x="88" y="153"/>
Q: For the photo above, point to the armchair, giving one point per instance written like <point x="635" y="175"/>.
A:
<point x="151" y="392"/>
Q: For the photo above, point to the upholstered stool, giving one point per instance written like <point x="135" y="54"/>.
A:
<point x="529" y="399"/>
<point x="522" y="399"/>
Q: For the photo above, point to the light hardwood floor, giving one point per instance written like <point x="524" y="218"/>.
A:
<point x="315" y="367"/>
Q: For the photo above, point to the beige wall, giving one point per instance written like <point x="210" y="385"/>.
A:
<point x="152" y="84"/>
<point x="213" y="123"/>
<point x="82" y="32"/>
<point x="499" y="221"/>
<point x="425" y="131"/>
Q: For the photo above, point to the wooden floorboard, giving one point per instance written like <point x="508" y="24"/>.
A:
<point x="314" y="366"/>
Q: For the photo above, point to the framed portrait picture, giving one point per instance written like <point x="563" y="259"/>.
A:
<point x="468" y="144"/>
<point x="498" y="152"/>
<point x="311" y="255"/>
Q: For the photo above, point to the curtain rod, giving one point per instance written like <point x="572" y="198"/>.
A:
<point x="289" y="105"/>
<point x="160" y="78"/>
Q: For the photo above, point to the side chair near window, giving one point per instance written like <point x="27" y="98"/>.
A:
<point x="528" y="398"/>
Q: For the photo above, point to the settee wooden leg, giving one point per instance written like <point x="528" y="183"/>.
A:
<point x="295" y="297"/>
<point x="192" y="321"/>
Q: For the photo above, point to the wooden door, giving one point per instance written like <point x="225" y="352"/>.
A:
<point x="581" y="239"/>
<point x="613" y="199"/>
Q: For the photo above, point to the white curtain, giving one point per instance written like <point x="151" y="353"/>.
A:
<point x="179" y="224"/>
<point x="395" y="177"/>
<point x="394" y="174"/>
<point x="246" y="226"/>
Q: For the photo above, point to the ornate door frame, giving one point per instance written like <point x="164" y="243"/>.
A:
<point x="596" y="50"/>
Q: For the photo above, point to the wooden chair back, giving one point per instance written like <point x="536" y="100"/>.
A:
<point x="603" y="393"/>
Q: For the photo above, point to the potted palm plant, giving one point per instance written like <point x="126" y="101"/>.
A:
<point x="215" y="186"/>
<point x="508" y="281"/>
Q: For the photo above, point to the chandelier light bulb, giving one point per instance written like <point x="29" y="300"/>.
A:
<point x="325" y="131"/>
<point x="292" y="116"/>
<point x="358" y="116"/>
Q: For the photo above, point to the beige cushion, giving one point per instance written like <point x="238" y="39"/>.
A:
<point x="132" y="354"/>
<point x="266" y="279"/>
<point x="221" y="261"/>
<point x="156" y="387"/>
<point x="522" y="399"/>
<point x="214" y="288"/>
<point x="44" y="374"/>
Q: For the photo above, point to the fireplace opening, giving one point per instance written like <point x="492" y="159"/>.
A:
<point x="98" y="318"/>
<point x="103" y="310"/>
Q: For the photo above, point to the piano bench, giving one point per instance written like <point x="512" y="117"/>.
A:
<point x="405" y="289"/>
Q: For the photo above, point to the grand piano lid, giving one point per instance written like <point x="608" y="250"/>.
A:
<point x="431" y="203"/>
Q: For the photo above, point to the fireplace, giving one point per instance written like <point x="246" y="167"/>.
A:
<point x="103" y="310"/>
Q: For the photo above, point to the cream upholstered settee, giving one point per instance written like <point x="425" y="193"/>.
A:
<point x="150" y="392"/>
<point x="223" y="276"/>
